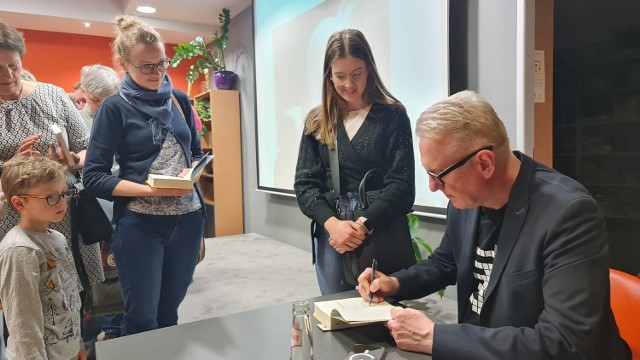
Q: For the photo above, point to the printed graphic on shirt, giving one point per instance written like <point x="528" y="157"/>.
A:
<point x="483" y="265"/>
<point x="61" y="304"/>
<point x="51" y="260"/>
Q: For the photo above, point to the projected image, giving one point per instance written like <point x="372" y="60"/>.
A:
<point x="409" y="40"/>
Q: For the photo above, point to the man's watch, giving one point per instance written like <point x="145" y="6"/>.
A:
<point x="366" y="223"/>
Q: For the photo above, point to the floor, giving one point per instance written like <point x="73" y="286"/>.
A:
<point x="250" y="271"/>
<point x="246" y="272"/>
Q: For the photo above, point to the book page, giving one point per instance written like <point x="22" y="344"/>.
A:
<point x="357" y="309"/>
<point x="198" y="166"/>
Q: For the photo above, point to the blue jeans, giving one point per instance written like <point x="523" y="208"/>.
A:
<point x="156" y="257"/>
<point x="111" y="324"/>
<point x="328" y="261"/>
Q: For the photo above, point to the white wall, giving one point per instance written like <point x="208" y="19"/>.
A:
<point x="494" y="30"/>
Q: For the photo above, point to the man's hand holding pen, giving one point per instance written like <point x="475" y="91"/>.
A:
<point x="377" y="286"/>
<point x="411" y="329"/>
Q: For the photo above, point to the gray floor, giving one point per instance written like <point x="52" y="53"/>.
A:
<point x="246" y="272"/>
<point x="250" y="271"/>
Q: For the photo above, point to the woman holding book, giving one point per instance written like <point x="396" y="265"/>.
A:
<point x="149" y="128"/>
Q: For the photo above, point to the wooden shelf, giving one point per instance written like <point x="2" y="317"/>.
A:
<point x="222" y="178"/>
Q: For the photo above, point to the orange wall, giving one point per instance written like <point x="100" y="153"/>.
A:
<point x="57" y="58"/>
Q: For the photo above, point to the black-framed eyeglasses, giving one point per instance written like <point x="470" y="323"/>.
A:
<point x="53" y="199"/>
<point x="438" y="177"/>
<point x="147" y="69"/>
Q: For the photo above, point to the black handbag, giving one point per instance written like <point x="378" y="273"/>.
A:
<point x="90" y="222"/>
<point x="389" y="244"/>
<point x="93" y="223"/>
<point x="106" y="297"/>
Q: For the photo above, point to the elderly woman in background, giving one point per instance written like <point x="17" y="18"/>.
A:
<point x="98" y="83"/>
<point x="26" y="111"/>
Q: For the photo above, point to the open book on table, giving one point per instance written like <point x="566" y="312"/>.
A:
<point x="174" y="182"/>
<point x="351" y="312"/>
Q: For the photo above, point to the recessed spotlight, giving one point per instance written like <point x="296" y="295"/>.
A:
<point x="87" y="24"/>
<point x="146" y="9"/>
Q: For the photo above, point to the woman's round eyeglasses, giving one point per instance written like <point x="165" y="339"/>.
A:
<point x="147" y="69"/>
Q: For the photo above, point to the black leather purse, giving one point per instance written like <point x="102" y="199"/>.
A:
<point x="93" y="223"/>
<point x="389" y="243"/>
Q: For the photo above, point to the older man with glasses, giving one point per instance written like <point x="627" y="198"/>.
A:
<point x="524" y="244"/>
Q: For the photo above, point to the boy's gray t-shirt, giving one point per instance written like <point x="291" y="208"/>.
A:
<point x="40" y="295"/>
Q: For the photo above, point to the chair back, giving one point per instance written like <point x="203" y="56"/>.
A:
<point x="625" y="303"/>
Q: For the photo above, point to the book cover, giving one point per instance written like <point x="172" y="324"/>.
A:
<point x="174" y="182"/>
<point x="351" y="312"/>
<point x="62" y="144"/>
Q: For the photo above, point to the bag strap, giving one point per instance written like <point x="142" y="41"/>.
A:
<point x="334" y="165"/>
<point x="362" y="189"/>
<point x="177" y="104"/>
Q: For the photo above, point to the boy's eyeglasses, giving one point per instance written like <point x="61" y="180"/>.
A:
<point x="53" y="199"/>
<point x="150" y="68"/>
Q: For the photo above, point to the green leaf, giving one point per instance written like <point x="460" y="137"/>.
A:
<point x="197" y="48"/>
<point x="417" y="241"/>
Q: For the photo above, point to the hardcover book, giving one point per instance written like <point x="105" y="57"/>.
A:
<point x="174" y="182"/>
<point x="62" y="144"/>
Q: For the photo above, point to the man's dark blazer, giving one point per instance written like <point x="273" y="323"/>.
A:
<point x="548" y="294"/>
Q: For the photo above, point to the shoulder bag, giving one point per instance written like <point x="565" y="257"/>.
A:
<point x="103" y="298"/>
<point x="202" y="246"/>
<point x="389" y="243"/>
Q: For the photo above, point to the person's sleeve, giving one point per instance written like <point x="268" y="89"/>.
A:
<point x="77" y="132"/>
<point x="19" y="291"/>
<point x="398" y="188"/>
<point x="310" y="181"/>
<point x="575" y="290"/>
<point x="105" y="134"/>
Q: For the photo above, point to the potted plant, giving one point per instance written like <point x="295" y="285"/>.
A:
<point x="208" y="58"/>
<point x="203" y="109"/>
<point x="417" y="241"/>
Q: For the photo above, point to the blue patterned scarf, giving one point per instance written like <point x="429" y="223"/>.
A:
<point x="156" y="104"/>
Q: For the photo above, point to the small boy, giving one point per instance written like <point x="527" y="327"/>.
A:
<point x="39" y="286"/>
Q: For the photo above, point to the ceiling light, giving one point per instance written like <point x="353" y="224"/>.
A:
<point x="87" y="24"/>
<point x="146" y="9"/>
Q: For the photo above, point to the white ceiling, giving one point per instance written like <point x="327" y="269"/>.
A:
<point x="178" y="21"/>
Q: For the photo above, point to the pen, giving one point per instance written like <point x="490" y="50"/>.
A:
<point x="374" y="265"/>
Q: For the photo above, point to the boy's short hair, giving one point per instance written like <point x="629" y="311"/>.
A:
<point x="21" y="173"/>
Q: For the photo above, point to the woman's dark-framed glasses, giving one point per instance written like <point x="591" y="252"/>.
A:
<point x="147" y="69"/>
<point x="438" y="177"/>
<point x="53" y="199"/>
